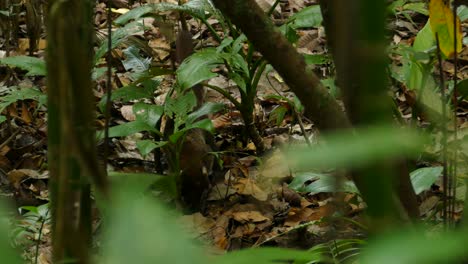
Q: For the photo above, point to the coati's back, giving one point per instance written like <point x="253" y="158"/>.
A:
<point x="196" y="162"/>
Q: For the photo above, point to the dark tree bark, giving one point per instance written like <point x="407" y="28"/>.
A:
<point x="72" y="156"/>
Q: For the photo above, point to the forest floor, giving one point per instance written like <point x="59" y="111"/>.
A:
<point x="256" y="200"/>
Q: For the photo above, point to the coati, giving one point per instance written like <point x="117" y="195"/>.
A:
<point x="195" y="159"/>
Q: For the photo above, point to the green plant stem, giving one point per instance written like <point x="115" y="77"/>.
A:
<point x="252" y="130"/>
<point x="257" y="76"/>
<point x="272" y="8"/>
<point x="226" y="94"/>
<point x="40" y="235"/>
<point x="213" y="31"/>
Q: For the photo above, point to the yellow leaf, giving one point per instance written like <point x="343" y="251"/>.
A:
<point x="441" y="20"/>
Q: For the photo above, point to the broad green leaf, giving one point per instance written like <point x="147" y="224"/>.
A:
<point x="278" y="114"/>
<point x="462" y="12"/>
<point x="118" y="36"/>
<point x="128" y="129"/>
<point x="289" y="32"/>
<point x="316" y="58"/>
<point x="441" y="18"/>
<point x="425" y="39"/>
<point x="239" y="80"/>
<point x="306" y="18"/>
<point x="237" y="63"/>
<point x="134" y="92"/>
<point x="141" y="181"/>
<point x="148" y="113"/>
<point x="204" y="124"/>
<point x="238" y="44"/>
<point x="269" y="256"/>
<point x="462" y="88"/>
<point x="9" y="255"/>
<point x="410" y="247"/>
<point x="180" y="107"/>
<point x="225" y="43"/>
<point x="423" y="178"/>
<point x="134" y="61"/>
<point x="140" y="230"/>
<point x="2" y="119"/>
<point x="20" y="95"/>
<point x="348" y="149"/>
<point x="416" y="7"/>
<point x="339" y="251"/>
<point x="320" y="183"/>
<point x="432" y="103"/>
<point x="34" y="66"/>
<point x="197" y="68"/>
<point x="98" y="73"/>
<point x="146" y="146"/>
<point x="301" y="178"/>
<point x="205" y="109"/>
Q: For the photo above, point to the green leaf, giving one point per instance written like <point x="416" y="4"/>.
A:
<point x="134" y="92"/>
<point x="441" y="20"/>
<point x="424" y="40"/>
<point x="417" y="7"/>
<point x="179" y="108"/>
<point x="237" y="63"/>
<point x="9" y="255"/>
<point x="34" y="66"/>
<point x="289" y="32"/>
<point x="320" y="183"/>
<point x="118" y="36"/>
<point x="197" y="68"/>
<point x="134" y="61"/>
<point x="409" y="247"/>
<point x="462" y="12"/>
<point x="238" y="44"/>
<point x="148" y="113"/>
<point x="205" y="109"/>
<point x="462" y="88"/>
<point x="204" y="124"/>
<point x="268" y="256"/>
<point x="128" y="129"/>
<point x="146" y="146"/>
<point x="423" y="178"/>
<point x="347" y="149"/>
<point x="306" y="18"/>
<point x="140" y="230"/>
<point x="140" y="181"/>
<point x="316" y="59"/>
<point x="15" y="95"/>
<point x="278" y="114"/>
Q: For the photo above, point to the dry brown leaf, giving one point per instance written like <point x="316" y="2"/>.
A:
<point x="219" y="233"/>
<point x="197" y="224"/>
<point x="249" y="216"/>
<point x="127" y="112"/>
<point x="248" y="187"/>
